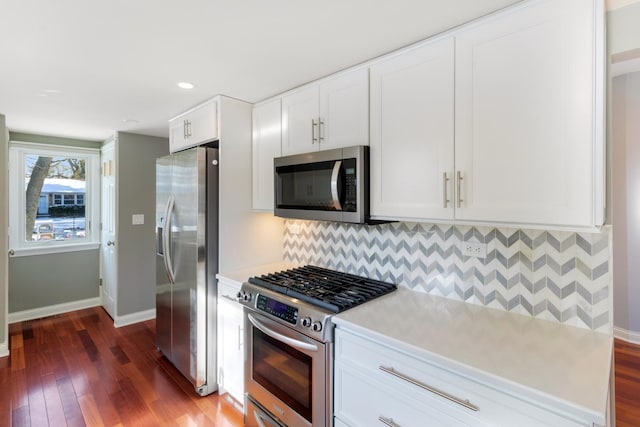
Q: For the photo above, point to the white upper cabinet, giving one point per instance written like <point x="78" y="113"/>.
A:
<point x="528" y="106"/>
<point x="266" y="146"/>
<point x="412" y="125"/>
<point x="330" y="114"/>
<point x="194" y="127"/>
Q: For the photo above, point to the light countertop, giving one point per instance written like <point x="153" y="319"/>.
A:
<point x="538" y="359"/>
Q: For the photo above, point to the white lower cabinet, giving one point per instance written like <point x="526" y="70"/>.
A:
<point x="230" y="341"/>
<point x="376" y="385"/>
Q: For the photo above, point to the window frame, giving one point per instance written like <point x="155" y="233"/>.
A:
<point x="18" y="151"/>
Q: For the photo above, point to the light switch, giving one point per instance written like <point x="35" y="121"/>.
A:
<point x="137" y="219"/>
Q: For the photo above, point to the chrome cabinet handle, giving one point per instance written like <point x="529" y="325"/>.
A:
<point x="111" y="243"/>
<point x="388" y="421"/>
<point x="314" y="125"/>
<point x="334" y="185"/>
<point x="465" y="403"/>
<point x="12" y="252"/>
<point x="459" y="178"/>
<point x="320" y="129"/>
<point x="184" y="128"/>
<point x="445" y="189"/>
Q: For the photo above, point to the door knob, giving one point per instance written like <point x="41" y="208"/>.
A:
<point x="110" y="243"/>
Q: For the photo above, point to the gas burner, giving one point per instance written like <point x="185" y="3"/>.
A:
<point x="332" y="290"/>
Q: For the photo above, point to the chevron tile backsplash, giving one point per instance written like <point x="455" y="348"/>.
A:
<point x="554" y="275"/>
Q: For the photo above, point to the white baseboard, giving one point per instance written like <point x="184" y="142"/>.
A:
<point x="38" y="313"/>
<point x="629" y="336"/>
<point x="4" y="349"/>
<point x="130" y="319"/>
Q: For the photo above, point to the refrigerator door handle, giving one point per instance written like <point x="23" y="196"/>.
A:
<point x="166" y="242"/>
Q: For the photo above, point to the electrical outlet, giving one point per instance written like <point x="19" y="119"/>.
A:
<point x="294" y="229"/>
<point x="474" y="249"/>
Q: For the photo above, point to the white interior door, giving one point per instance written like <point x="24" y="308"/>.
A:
<point x="108" y="231"/>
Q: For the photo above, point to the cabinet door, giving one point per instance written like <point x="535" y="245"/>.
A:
<point x="177" y="134"/>
<point x="412" y="128"/>
<point x="266" y="146"/>
<point x="203" y="124"/>
<point x="525" y="115"/>
<point x="300" y="121"/>
<point x="344" y="110"/>
<point x="231" y="348"/>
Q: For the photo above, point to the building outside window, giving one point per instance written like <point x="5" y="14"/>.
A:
<point x="54" y="194"/>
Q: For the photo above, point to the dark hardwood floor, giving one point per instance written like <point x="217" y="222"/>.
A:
<point x="76" y="369"/>
<point x="627" y="362"/>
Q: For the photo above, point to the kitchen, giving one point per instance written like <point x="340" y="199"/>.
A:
<point x="303" y="243"/>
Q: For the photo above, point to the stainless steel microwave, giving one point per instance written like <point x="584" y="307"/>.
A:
<point x="330" y="185"/>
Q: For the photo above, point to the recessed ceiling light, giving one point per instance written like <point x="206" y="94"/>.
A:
<point x="130" y="121"/>
<point x="185" y="85"/>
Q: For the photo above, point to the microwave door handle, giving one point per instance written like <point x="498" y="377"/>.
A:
<point x="282" y="338"/>
<point x="335" y="174"/>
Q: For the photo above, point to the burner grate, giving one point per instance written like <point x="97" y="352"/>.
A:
<point x="332" y="290"/>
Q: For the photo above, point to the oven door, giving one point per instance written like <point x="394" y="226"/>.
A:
<point x="287" y="373"/>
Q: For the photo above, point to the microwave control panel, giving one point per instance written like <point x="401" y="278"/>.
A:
<point x="350" y="186"/>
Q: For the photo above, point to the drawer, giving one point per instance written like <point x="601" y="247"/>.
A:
<point x="414" y="376"/>
<point x="363" y="401"/>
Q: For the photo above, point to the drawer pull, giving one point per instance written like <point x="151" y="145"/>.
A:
<point x="388" y="421"/>
<point x="434" y="390"/>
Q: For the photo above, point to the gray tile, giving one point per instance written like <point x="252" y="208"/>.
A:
<point x="568" y="314"/>
<point x="501" y="300"/>
<point x="600" y="295"/>
<point x="513" y="239"/>
<point x="586" y="319"/>
<point x="502" y="238"/>
<point x="501" y="259"/>
<point x="583" y="244"/>
<point x="478" y="235"/>
<point x="601" y="320"/>
<point x="551" y="285"/>
<point x="540" y="285"/>
<point x="583" y="292"/>
<point x="526" y="262"/>
<point x="525" y="282"/>
<point x="527" y="305"/>
<point x="500" y="278"/>
<point x="568" y="266"/>
<point x="540" y="262"/>
<point x="490" y="237"/>
<point x="540" y="307"/>
<point x="542" y="237"/>
<point x="554" y="311"/>
<point x="555" y="243"/>
<point x="515" y="258"/>
<point x="568" y="290"/>
<point x="513" y="303"/>
<point x="490" y="297"/>
<point x="600" y="270"/>
<point x="583" y="268"/>
<point x="524" y="237"/>
<point x="600" y="245"/>
<point x="568" y="243"/>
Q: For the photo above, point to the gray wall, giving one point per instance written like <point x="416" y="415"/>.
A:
<point x="135" y="244"/>
<point x="4" y="220"/>
<point x="42" y="280"/>
<point x="626" y="200"/>
<point x="623" y="35"/>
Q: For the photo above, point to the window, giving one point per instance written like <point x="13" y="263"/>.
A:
<point x="54" y="198"/>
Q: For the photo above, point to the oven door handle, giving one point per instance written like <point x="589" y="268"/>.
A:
<point x="278" y="336"/>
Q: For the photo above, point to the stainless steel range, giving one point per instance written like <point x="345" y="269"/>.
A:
<point x="289" y="336"/>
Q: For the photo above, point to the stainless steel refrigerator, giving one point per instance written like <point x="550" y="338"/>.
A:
<point x="187" y="263"/>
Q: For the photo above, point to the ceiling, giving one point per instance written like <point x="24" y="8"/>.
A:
<point x="86" y="69"/>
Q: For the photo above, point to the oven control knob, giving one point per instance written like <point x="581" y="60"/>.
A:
<point x="246" y="296"/>
<point x="316" y="326"/>
<point x="305" y="321"/>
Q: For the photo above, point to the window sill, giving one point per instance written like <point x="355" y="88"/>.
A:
<point x="55" y="249"/>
